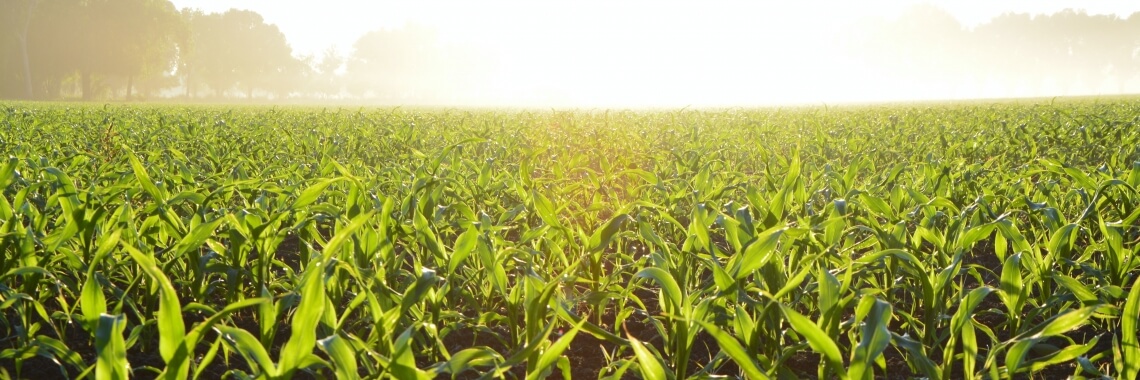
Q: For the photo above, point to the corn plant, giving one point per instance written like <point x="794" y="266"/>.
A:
<point x="973" y="240"/>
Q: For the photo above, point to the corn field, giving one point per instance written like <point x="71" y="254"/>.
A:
<point x="939" y="241"/>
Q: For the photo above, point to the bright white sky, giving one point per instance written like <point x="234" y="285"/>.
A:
<point x="631" y="53"/>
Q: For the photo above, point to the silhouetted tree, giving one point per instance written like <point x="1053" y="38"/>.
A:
<point x="91" y="48"/>
<point x="31" y="30"/>
<point x="1126" y="60"/>
<point x="1008" y="48"/>
<point x="326" y="73"/>
<point x="411" y="64"/>
<point x="15" y="67"/>
<point x="394" y="63"/>
<point x="52" y="48"/>
<point x="127" y="39"/>
<point x="929" y="45"/>
<point x="238" y="49"/>
<point x="1072" y="50"/>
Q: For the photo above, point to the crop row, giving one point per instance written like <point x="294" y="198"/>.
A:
<point x="940" y="241"/>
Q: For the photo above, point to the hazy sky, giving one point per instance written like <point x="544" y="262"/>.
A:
<point x="632" y="52"/>
<point x="312" y="26"/>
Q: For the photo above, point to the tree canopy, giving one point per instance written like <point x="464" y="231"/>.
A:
<point x="123" y="49"/>
<point x="237" y="49"/>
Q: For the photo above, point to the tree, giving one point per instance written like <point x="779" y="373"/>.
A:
<point x="52" y="48"/>
<point x="26" y="28"/>
<point x="395" y="63"/>
<point x="127" y="39"/>
<point x="932" y="41"/>
<point x="238" y="49"/>
<point x="16" y="66"/>
<point x="1126" y="61"/>
<point x="413" y="64"/>
<point x="1009" y="49"/>
<point x="922" y="50"/>
<point x="326" y="78"/>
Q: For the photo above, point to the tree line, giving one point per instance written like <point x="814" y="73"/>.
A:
<point x="98" y="49"/>
<point x="133" y="49"/>
<point x="1066" y="52"/>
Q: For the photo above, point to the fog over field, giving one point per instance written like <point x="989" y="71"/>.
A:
<point x="669" y="190"/>
<point x="591" y="54"/>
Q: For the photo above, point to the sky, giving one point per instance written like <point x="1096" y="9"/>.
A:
<point x="633" y="52"/>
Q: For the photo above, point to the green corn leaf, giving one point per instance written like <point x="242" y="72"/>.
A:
<point x="198" y="235"/>
<point x="1066" y="322"/>
<point x="1016" y="354"/>
<point x="342" y="354"/>
<point x="724" y="282"/>
<point x="1133" y="176"/>
<point x="648" y="177"/>
<point x="829" y="295"/>
<point x="793" y="173"/>
<point x="793" y="283"/>
<point x="875" y="338"/>
<point x="404" y="362"/>
<point x="342" y="234"/>
<point x="188" y="196"/>
<point x="757" y="254"/>
<point x="564" y="366"/>
<point x="195" y="334"/>
<point x="1130" y="350"/>
<point x="651" y="368"/>
<point x="306" y="317"/>
<point x="589" y="327"/>
<point x="816" y="337"/>
<point x="975" y="234"/>
<point x="966" y="308"/>
<point x="208" y="358"/>
<point x="552" y="353"/>
<point x="1065" y="355"/>
<point x="6" y="211"/>
<point x="418" y="289"/>
<point x="698" y="239"/>
<point x="916" y="355"/>
<point x="25" y="271"/>
<point x="92" y="302"/>
<point x="171" y="328"/>
<point x="877" y="205"/>
<point x="1062" y="240"/>
<point x="731" y="347"/>
<point x="110" y="349"/>
<point x="744" y="325"/>
<point x="267" y="312"/>
<point x="144" y="178"/>
<point x="969" y="351"/>
<point x="107" y="243"/>
<point x="619" y="373"/>
<point x="177" y="365"/>
<point x="68" y="200"/>
<point x="249" y="347"/>
<point x="470" y="358"/>
<point x="602" y="237"/>
<point x="545" y="209"/>
<point x="59" y="351"/>
<point x="1012" y="289"/>
<point x="1060" y="324"/>
<point x="310" y="194"/>
<point x="464" y="245"/>
<point x="8" y="172"/>
<point x="671" y="291"/>
<point x="526" y="352"/>
<point x="1083" y="293"/>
